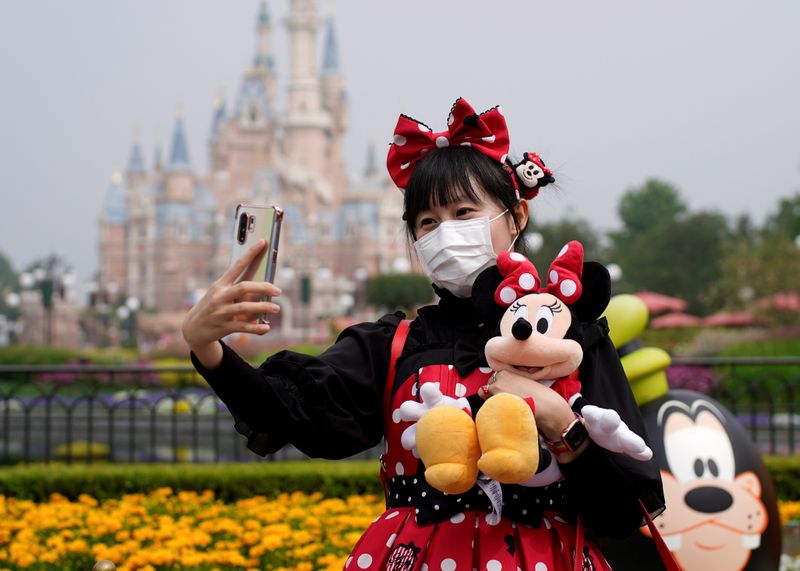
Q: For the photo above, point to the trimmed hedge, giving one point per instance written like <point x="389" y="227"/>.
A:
<point x="236" y="481"/>
<point x="227" y="481"/>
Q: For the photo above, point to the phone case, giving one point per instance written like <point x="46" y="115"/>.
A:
<point x="252" y="222"/>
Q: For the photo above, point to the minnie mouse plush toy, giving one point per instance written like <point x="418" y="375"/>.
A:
<point x="539" y="338"/>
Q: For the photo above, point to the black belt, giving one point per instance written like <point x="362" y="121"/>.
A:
<point x="520" y="504"/>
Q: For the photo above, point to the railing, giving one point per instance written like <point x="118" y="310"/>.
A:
<point x="88" y="413"/>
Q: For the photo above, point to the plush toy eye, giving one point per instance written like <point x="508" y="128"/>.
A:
<point x="544" y="319"/>
<point x="521" y="311"/>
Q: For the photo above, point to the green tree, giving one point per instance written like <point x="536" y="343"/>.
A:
<point x="754" y="268"/>
<point x="644" y="208"/>
<point x="9" y="279"/>
<point x="787" y="219"/>
<point x="9" y="282"/>
<point x="402" y="291"/>
<point x="664" y="248"/>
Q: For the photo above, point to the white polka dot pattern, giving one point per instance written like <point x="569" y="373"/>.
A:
<point x="527" y="281"/>
<point x="508" y="295"/>
<point x="568" y="287"/>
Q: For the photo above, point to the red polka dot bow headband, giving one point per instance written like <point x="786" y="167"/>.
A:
<point x="486" y="133"/>
<point x="521" y="278"/>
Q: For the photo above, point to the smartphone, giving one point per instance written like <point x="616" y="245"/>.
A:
<point x="252" y="222"/>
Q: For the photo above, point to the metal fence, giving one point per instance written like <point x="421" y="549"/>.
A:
<point x="89" y="413"/>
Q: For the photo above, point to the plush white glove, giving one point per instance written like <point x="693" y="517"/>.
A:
<point x="411" y="411"/>
<point x="608" y="430"/>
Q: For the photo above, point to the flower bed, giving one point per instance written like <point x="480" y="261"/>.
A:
<point x="184" y="530"/>
<point x="163" y="530"/>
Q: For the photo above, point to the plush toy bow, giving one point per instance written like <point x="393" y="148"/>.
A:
<point x="521" y="278"/>
<point x="486" y="132"/>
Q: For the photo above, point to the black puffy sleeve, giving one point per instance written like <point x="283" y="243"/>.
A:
<point x="327" y="406"/>
<point x="607" y="487"/>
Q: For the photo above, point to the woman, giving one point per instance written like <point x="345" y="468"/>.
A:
<point x="464" y="203"/>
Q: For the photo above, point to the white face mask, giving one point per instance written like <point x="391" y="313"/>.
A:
<point x="457" y="251"/>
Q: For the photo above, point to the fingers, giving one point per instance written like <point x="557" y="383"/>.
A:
<point x="251" y="308"/>
<point x="248" y="327"/>
<point x="239" y="265"/>
<point x="248" y="289"/>
<point x="409" y="437"/>
<point x="430" y="394"/>
<point x="253" y="266"/>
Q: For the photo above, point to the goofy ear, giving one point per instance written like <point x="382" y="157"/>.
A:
<point x="483" y="295"/>
<point x="596" y="292"/>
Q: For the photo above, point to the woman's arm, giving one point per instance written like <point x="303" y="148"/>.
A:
<point x="327" y="406"/>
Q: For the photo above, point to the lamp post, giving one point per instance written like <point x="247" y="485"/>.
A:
<point x="50" y="278"/>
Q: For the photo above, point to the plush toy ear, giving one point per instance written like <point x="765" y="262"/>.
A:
<point x="596" y="292"/>
<point x="483" y="295"/>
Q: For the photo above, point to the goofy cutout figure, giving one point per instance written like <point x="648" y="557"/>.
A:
<point x="537" y="338"/>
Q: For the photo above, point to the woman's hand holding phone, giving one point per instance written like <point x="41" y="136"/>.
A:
<point x="229" y="306"/>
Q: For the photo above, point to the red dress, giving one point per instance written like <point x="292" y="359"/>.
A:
<point x="469" y="538"/>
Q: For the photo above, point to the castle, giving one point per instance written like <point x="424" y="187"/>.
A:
<point x="165" y="232"/>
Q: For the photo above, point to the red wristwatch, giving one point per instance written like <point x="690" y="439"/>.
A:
<point x="572" y="437"/>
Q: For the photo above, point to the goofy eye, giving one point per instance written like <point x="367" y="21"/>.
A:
<point x="544" y="319"/>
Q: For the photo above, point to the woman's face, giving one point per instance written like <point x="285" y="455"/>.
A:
<point x="503" y="229"/>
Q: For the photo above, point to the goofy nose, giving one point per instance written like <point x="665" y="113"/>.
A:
<point x="521" y="329"/>
<point x="708" y="499"/>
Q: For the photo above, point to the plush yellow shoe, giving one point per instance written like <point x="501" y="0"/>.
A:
<point x="509" y="439"/>
<point x="448" y="446"/>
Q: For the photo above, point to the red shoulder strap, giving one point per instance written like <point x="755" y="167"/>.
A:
<point x="398" y="342"/>
<point x="666" y="556"/>
<point x="663" y="551"/>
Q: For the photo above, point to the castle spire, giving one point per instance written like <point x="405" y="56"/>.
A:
<point x="218" y="116"/>
<point x="136" y="159"/>
<point x="179" y="155"/>
<point x="263" y="58"/>
<point x="371" y="167"/>
<point x="330" y="56"/>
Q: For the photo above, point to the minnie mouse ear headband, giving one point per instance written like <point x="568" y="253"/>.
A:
<point x="521" y="278"/>
<point x="486" y="133"/>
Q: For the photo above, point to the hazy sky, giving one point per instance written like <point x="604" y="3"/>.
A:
<point x="702" y="94"/>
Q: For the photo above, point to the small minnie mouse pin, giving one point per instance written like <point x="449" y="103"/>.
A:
<point x="533" y="174"/>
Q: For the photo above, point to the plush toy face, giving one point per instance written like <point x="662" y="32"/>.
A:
<point x="530" y="173"/>
<point x="531" y="340"/>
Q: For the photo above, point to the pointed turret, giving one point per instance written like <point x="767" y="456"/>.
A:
<point x="115" y="206"/>
<point x="218" y="117"/>
<point x="371" y="168"/>
<point x="158" y="163"/>
<point x="179" y="154"/>
<point x="330" y="56"/>
<point x="263" y="57"/>
<point x="136" y="159"/>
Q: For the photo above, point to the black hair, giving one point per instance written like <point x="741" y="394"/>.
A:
<point x="449" y="174"/>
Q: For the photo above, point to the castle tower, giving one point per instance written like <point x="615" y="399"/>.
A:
<point x="114" y="236"/>
<point x="264" y="61"/>
<point x="334" y="101"/>
<point x="178" y="178"/>
<point x="243" y="142"/>
<point x="306" y="122"/>
<point x="136" y="173"/>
